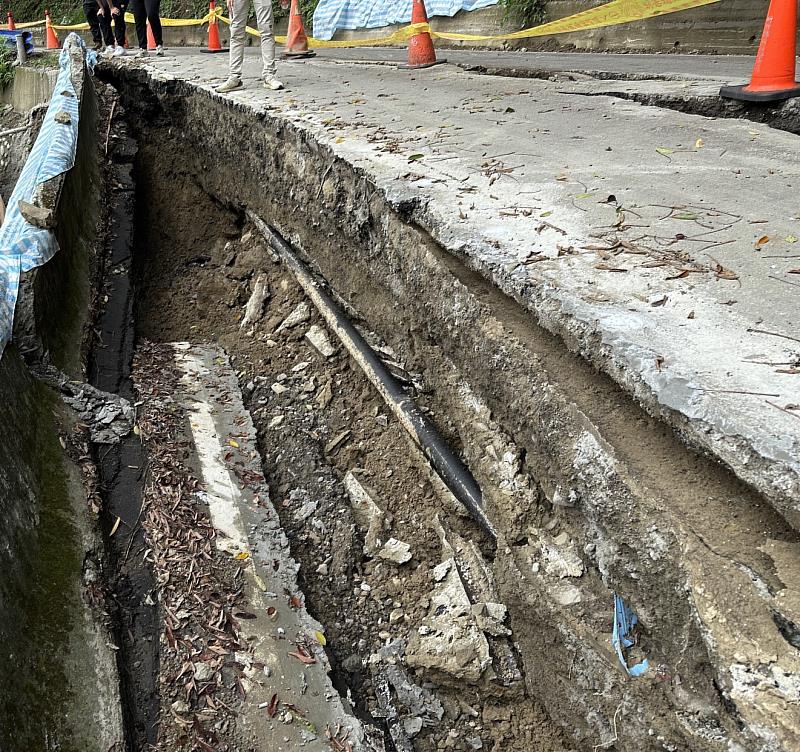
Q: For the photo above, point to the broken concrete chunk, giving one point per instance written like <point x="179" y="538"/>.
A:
<point x="202" y="672"/>
<point x="63" y="118"/>
<point x="490" y="618"/>
<point x="318" y="337"/>
<point x="412" y="726"/>
<point x="566" y="595"/>
<point x="336" y="441"/>
<point x="562" y="561"/>
<point x="37" y="216"/>
<point x="440" y="570"/>
<point x="396" y="551"/>
<point x="298" y="316"/>
<point x="278" y="388"/>
<point x="450" y="641"/>
<point x="324" y="395"/>
<point x="255" y="306"/>
<point x="366" y="512"/>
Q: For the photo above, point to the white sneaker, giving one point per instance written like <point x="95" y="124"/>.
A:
<point x="109" y="51"/>
<point x="273" y="84"/>
<point x="230" y="85"/>
<point x="119" y="52"/>
<point x="159" y="51"/>
<point x="141" y="53"/>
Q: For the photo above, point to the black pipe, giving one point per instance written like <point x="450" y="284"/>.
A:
<point x="452" y="471"/>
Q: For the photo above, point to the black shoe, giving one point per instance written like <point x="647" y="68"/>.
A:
<point x="98" y="46"/>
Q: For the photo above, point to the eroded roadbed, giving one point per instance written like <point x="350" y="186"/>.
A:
<point x="601" y="512"/>
<point x="410" y="632"/>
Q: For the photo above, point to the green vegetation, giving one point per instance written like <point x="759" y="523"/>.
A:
<point x="43" y="60"/>
<point x="6" y="67"/>
<point x="526" y="12"/>
<point x="71" y="11"/>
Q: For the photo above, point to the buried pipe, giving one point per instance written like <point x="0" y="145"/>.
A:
<point x="452" y="471"/>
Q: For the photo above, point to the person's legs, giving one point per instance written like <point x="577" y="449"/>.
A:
<point x="119" y="23"/>
<point x="140" y="17"/>
<point x="238" y="26"/>
<point x="90" y="11"/>
<point x="153" y="15"/>
<point x="264" y="19"/>
<point x="104" y="19"/>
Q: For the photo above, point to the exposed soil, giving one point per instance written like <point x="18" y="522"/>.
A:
<point x="318" y="419"/>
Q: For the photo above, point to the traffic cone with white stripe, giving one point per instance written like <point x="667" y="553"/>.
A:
<point x="50" y="34"/>
<point x="296" y="40"/>
<point x="420" y="47"/>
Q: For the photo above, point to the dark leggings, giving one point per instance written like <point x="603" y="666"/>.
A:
<point x="118" y="35"/>
<point x="90" y="11"/>
<point x="144" y="11"/>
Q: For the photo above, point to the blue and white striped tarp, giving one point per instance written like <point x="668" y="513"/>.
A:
<point x="23" y="246"/>
<point x="331" y="15"/>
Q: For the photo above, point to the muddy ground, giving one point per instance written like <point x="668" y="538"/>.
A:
<point x="319" y="420"/>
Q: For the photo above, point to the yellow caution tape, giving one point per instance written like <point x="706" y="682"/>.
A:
<point x="611" y="14"/>
<point x="29" y="24"/>
<point x="130" y="19"/>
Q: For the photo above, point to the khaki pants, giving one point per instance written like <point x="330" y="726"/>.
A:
<point x="239" y="22"/>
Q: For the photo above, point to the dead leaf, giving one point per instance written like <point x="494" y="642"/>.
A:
<point x="114" y="528"/>
<point x="272" y="708"/>
<point x="607" y="268"/>
<point x="659" y="302"/>
<point x="762" y="241"/>
<point x="320" y="638"/>
<point x="664" y="151"/>
<point x="793" y="271"/>
<point x="415" y="157"/>
<point x="303" y="658"/>
<point x="699" y="143"/>
<point x="790" y="239"/>
<point x="233" y="443"/>
<point x="722" y="273"/>
<point x="684" y="215"/>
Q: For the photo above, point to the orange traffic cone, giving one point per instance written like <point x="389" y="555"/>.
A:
<point x="213" y="31"/>
<point x="296" y="40"/>
<point x="151" y="40"/>
<point x="773" y="76"/>
<point x="50" y="35"/>
<point x="420" y="47"/>
<point x="11" y="25"/>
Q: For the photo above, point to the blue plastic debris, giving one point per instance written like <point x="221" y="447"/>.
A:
<point x="9" y="39"/>
<point x="624" y="621"/>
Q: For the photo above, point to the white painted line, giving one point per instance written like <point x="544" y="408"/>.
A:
<point x="222" y="493"/>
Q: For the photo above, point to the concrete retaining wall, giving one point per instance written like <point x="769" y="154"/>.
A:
<point x="60" y="688"/>
<point x="30" y="87"/>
